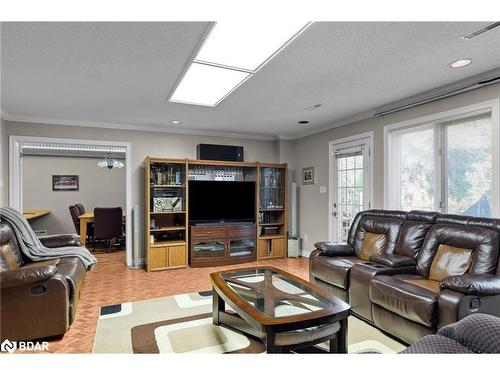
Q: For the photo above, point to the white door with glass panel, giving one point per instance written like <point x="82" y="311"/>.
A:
<point x="349" y="185"/>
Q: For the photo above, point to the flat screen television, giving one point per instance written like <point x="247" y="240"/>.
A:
<point x="215" y="201"/>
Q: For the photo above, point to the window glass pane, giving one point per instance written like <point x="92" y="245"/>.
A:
<point x="350" y="197"/>
<point x="469" y="166"/>
<point x="416" y="172"/>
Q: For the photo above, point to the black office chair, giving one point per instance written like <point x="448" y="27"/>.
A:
<point x="108" y="225"/>
<point x="80" y="208"/>
<point x="75" y="213"/>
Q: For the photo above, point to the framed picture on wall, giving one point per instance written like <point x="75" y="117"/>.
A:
<point x="308" y="176"/>
<point x="64" y="182"/>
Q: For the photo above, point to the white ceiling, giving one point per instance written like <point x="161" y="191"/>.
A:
<point x="121" y="74"/>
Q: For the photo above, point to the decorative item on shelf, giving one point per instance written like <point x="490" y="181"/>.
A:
<point x="152" y="224"/>
<point x="170" y="236"/>
<point x="110" y="162"/>
<point x="152" y="240"/>
<point x="170" y="175"/>
<point x="178" y="178"/>
<point x="308" y="176"/>
<point x="167" y="204"/>
<point x="209" y="173"/>
<point x="269" y="230"/>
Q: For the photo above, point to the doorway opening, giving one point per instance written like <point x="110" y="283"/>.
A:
<point x="34" y="153"/>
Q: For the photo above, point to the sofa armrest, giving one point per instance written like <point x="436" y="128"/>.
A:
<point x="60" y="240"/>
<point x="333" y="249"/>
<point x="393" y="260"/>
<point x="479" y="285"/>
<point x="14" y="278"/>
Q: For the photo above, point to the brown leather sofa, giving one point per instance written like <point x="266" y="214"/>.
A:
<point x="411" y="273"/>
<point x="38" y="299"/>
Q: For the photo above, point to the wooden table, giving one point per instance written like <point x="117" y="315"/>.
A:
<point x="34" y="214"/>
<point x="276" y="307"/>
<point x="85" y="218"/>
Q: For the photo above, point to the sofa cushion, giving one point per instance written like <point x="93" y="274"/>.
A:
<point x="373" y="244"/>
<point x="484" y="243"/>
<point x="411" y="238"/>
<point x="388" y="226"/>
<point x="404" y="299"/>
<point x="334" y="270"/>
<point x="7" y="258"/>
<point x="7" y="237"/>
<point x="431" y="285"/>
<point x="450" y="261"/>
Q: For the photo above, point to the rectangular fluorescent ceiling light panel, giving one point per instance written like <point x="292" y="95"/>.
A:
<point x="232" y="53"/>
<point x="247" y="46"/>
<point x="207" y="85"/>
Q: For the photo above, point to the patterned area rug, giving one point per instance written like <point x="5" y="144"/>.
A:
<point x="183" y="324"/>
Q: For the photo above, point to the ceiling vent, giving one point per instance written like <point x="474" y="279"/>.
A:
<point x="481" y="31"/>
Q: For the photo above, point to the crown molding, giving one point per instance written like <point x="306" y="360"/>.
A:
<point x="149" y="128"/>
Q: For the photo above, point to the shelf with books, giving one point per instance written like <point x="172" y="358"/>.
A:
<point x="272" y="211"/>
<point x="166" y="213"/>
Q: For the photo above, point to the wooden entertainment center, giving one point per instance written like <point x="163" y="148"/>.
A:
<point x="173" y="241"/>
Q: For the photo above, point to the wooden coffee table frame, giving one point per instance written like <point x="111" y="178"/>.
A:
<point x="265" y="327"/>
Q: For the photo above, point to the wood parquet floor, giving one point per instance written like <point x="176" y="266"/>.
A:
<point x="112" y="282"/>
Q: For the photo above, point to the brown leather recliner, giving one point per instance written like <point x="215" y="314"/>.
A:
<point x="38" y="299"/>
<point x="330" y="264"/>
<point x="443" y="268"/>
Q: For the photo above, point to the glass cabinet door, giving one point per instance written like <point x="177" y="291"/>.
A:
<point x="241" y="247"/>
<point x="272" y="188"/>
<point x="209" y="249"/>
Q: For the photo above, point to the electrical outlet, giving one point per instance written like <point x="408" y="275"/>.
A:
<point x="322" y="189"/>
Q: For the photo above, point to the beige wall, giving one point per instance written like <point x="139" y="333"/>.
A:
<point x="98" y="187"/>
<point x="4" y="165"/>
<point x="144" y="143"/>
<point x="313" y="151"/>
<point x="304" y="152"/>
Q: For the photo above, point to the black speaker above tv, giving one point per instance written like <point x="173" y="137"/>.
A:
<point x="219" y="152"/>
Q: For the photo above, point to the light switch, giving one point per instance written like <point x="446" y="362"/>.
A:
<point x="322" y="189"/>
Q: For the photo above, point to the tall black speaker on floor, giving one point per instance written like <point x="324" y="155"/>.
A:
<point x="219" y="152"/>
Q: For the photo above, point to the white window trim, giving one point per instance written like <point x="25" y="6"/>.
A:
<point x="492" y="106"/>
<point x="355" y="139"/>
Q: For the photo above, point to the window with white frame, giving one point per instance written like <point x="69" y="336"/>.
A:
<point x="448" y="164"/>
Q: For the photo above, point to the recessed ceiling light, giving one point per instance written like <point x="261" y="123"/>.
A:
<point x="460" y="63"/>
<point x="176" y="122"/>
<point x="231" y="53"/>
<point x="303" y="122"/>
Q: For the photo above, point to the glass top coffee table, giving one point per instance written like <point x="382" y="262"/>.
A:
<point x="283" y="310"/>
